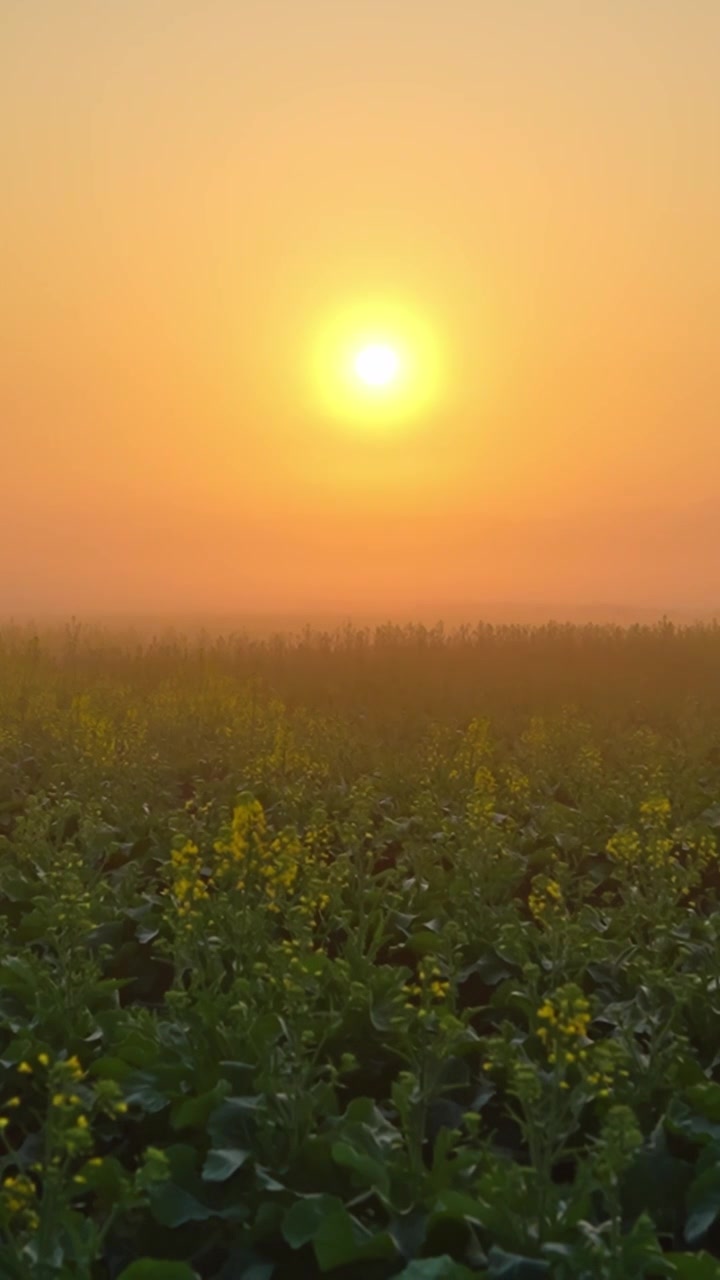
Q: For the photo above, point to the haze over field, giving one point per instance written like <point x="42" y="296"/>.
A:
<point x="208" y="207"/>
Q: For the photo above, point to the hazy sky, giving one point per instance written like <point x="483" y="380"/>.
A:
<point x="196" y="191"/>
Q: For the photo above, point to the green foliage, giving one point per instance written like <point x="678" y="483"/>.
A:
<point x="373" y="958"/>
<point x="152" y="1269"/>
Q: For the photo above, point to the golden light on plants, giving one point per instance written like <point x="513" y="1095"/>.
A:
<point x="375" y="365"/>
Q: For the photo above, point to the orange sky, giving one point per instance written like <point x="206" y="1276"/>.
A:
<point x="194" y="190"/>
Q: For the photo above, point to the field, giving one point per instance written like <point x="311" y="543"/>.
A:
<point x="365" y="955"/>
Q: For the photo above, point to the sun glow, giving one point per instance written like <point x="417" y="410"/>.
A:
<point x="375" y="365"/>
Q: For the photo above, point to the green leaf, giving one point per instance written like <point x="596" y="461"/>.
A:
<point x="341" y="1239"/>
<point x="139" y="1049"/>
<point x="109" y="1068"/>
<point x="223" y="1162"/>
<point x="186" y="1198"/>
<point x="409" y="1231"/>
<point x="489" y="968"/>
<point x="244" y="1263"/>
<point x="424" y="942"/>
<point x="142" y="1090"/>
<point x="338" y="1239"/>
<point x="106" y="1179"/>
<point x="304" y="1217"/>
<point x="384" y="1013"/>
<point x="444" y="1268"/>
<point x="511" y="1266"/>
<point x="705" y="1098"/>
<point x="229" y="1123"/>
<point x="657" y="1183"/>
<point x="368" y="1171"/>
<point x="703" y="1202"/>
<point x="173" y="1205"/>
<point x="458" y="1204"/>
<point x="694" y="1266"/>
<point x="711" y="816"/>
<point x="156" y="1269"/>
<point x="193" y="1113"/>
<point x="683" y="1119"/>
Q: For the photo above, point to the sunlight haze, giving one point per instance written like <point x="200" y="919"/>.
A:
<point x="324" y="305"/>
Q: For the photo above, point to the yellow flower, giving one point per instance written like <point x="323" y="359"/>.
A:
<point x="43" y="1059"/>
<point x="624" y="846"/>
<point x="546" y="896"/>
<point x="482" y="799"/>
<point x="655" y="807"/>
<point x="25" y="1069"/>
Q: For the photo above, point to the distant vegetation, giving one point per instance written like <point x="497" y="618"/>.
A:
<point x="373" y="954"/>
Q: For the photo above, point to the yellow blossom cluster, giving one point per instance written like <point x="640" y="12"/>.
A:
<point x="93" y="731"/>
<point x="279" y="759"/>
<point x="245" y="842"/>
<point x="654" y="849"/>
<point x="564" y="1018"/>
<point x="482" y="800"/>
<point x="318" y="837"/>
<point x="308" y="904"/>
<point x="18" y="1202"/>
<point x="625" y="846"/>
<point x="431" y="987"/>
<point x="703" y="849"/>
<point x="68" y="1068"/>
<point x="682" y="853"/>
<point x="654" y="809"/>
<point x="69" y="1122"/>
<point x="606" y="1067"/>
<point x="65" y="883"/>
<point x="546" y="898"/>
<point x="564" y="1022"/>
<point x="188" y="887"/>
<point x="517" y="783"/>
<point x="247" y="858"/>
<point x="247" y="855"/>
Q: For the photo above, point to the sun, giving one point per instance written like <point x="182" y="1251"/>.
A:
<point x="377" y="365"/>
